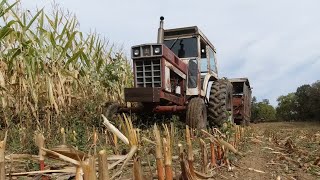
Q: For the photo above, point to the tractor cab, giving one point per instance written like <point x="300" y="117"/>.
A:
<point x="190" y="43"/>
<point x="195" y="50"/>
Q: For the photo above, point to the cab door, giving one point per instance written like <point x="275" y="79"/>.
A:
<point x="212" y="61"/>
<point x="204" y="62"/>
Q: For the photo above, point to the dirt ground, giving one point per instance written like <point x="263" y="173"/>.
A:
<point x="278" y="151"/>
<point x="281" y="150"/>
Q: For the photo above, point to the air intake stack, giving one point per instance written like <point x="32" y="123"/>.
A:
<point x="160" y="31"/>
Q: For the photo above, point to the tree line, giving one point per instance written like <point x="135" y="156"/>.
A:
<point x="301" y="105"/>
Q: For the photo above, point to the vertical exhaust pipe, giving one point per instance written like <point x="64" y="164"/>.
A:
<point x="160" y="31"/>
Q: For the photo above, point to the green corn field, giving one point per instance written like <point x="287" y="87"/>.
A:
<point x="52" y="75"/>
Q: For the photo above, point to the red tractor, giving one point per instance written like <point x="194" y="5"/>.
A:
<point x="241" y="100"/>
<point x="179" y="75"/>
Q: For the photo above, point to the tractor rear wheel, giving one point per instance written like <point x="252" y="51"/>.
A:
<point x="220" y="102"/>
<point x="196" y="113"/>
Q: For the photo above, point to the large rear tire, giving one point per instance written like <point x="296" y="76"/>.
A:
<point x="196" y="113"/>
<point x="220" y="103"/>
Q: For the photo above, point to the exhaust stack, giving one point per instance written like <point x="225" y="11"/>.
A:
<point x="160" y="31"/>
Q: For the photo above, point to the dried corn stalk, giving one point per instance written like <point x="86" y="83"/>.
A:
<point x="103" y="165"/>
<point x="2" y="159"/>
<point x="114" y="130"/>
<point x="167" y="159"/>
<point x="160" y="172"/>
<point x="204" y="156"/>
<point x="190" y="150"/>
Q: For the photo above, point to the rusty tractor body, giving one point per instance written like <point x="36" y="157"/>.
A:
<point x="241" y="100"/>
<point x="179" y="75"/>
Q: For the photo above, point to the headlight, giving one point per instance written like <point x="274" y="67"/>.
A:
<point x="136" y="52"/>
<point x="157" y="50"/>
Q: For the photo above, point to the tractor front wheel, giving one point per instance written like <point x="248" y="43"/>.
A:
<point x="111" y="110"/>
<point x="196" y="113"/>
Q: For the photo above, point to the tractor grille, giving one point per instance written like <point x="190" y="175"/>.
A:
<point x="148" y="73"/>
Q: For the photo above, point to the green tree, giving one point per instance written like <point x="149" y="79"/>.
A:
<point x="304" y="102"/>
<point x="254" y="100"/>
<point x="315" y="100"/>
<point x="262" y="111"/>
<point x="266" y="112"/>
<point x="254" y="109"/>
<point x="287" y="107"/>
<point x="266" y="101"/>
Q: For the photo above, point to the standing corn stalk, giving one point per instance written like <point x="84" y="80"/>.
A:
<point x="190" y="151"/>
<point x="167" y="159"/>
<point x="167" y="149"/>
<point x="204" y="156"/>
<point x="160" y="172"/>
<point x="48" y="67"/>
<point x="2" y="159"/>
<point x="103" y="165"/>
<point x="89" y="170"/>
<point x="134" y="140"/>
<point x="39" y="140"/>
<point x="213" y="154"/>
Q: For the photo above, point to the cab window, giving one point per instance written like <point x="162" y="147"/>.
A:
<point x="183" y="48"/>
<point x="203" y="59"/>
<point x="213" y="65"/>
<point x="193" y="73"/>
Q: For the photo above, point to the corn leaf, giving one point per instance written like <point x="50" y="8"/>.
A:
<point x="68" y="45"/>
<point x="56" y="21"/>
<point x="86" y="59"/>
<point x="4" y="11"/>
<point x="6" y="30"/>
<point x="74" y="57"/>
<point x="33" y="19"/>
<point x="15" y="54"/>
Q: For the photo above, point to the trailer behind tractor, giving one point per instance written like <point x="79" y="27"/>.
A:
<point x="241" y="100"/>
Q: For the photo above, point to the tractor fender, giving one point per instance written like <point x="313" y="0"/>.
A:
<point x="206" y="87"/>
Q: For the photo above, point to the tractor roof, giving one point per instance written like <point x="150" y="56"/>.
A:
<point x="243" y="80"/>
<point x="186" y="31"/>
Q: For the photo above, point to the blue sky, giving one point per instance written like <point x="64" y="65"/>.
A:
<point x="273" y="43"/>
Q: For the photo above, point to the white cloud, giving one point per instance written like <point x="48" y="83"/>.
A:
<point x="273" y="43"/>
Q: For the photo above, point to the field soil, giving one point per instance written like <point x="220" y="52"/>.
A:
<point x="280" y="150"/>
